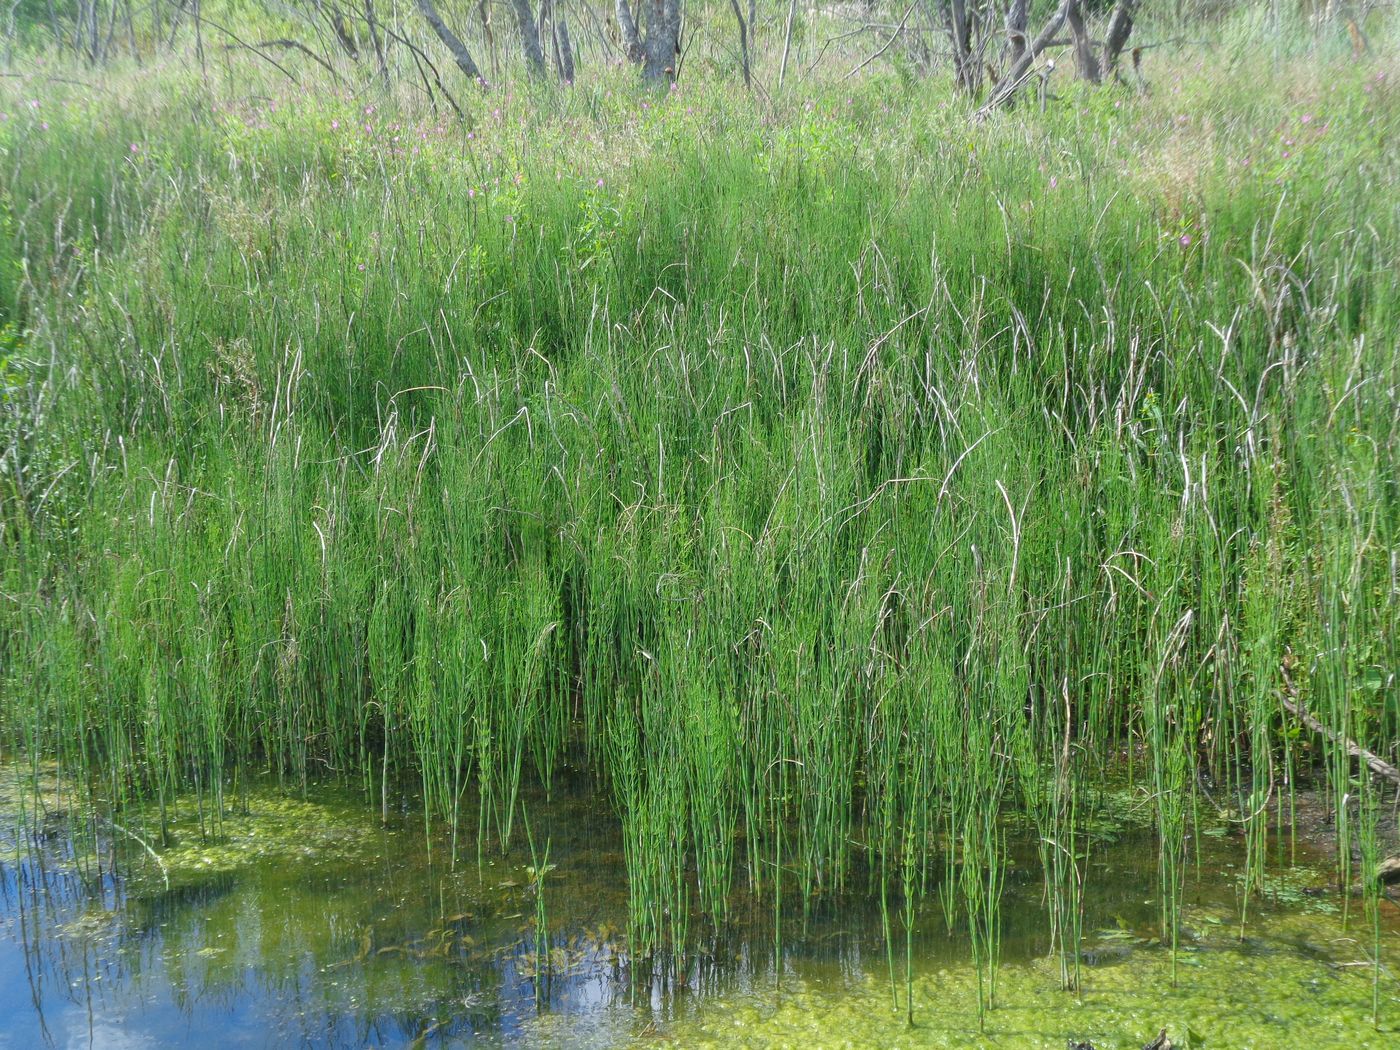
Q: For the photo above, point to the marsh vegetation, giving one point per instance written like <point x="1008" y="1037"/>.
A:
<point x="871" y="492"/>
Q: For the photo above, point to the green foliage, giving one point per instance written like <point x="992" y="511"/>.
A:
<point x="824" y="479"/>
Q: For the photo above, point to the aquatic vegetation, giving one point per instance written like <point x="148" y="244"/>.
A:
<point x="827" y="493"/>
<point x="266" y="828"/>
<point x="1235" y="999"/>
<point x="392" y="935"/>
<point x="185" y="846"/>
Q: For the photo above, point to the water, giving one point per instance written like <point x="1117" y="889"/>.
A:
<point x="305" y="921"/>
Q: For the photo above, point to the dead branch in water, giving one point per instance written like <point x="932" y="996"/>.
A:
<point x="1294" y="707"/>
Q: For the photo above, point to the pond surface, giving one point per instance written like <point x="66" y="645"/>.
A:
<point x="305" y="920"/>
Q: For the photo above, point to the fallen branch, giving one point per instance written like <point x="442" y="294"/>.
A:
<point x="1378" y="765"/>
<point x="1388" y="871"/>
<point x="292" y="45"/>
<point x="255" y="48"/>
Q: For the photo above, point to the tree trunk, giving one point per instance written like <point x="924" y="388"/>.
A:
<point x="1120" y="27"/>
<point x="1017" y="21"/>
<point x="566" y="49"/>
<point x="1377" y="765"/>
<point x="957" y="33"/>
<point x="631" y="38"/>
<point x="450" y="40"/>
<point x="484" y="13"/>
<point x="342" y="33"/>
<point x="662" y="45"/>
<point x="1084" y="58"/>
<point x="529" y="37"/>
<point x="1012" y="79"/>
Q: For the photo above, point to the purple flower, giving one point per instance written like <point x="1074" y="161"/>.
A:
<point x="1186" y="240"/>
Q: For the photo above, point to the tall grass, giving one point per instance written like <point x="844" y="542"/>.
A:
<point x="829" y="476"/>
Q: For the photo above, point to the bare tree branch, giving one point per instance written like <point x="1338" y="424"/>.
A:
<point x="743" y="41"/>
<point x="419" y="53"/>
<point x="291" y="45"/>
<point x="787" y="42"/>
<point x="378" y="44"/>
<point x="450" y="40"/>
<point x="893" y="37"/>
<point x="1015" y="76"/>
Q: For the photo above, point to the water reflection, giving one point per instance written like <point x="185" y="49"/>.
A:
<point x="381" y="944"/>
<point x="376" y="938"/>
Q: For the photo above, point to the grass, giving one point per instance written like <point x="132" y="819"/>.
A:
<point x="829" y="474"/>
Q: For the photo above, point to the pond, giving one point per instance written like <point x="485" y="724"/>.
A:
<point x="302" y="918"/>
